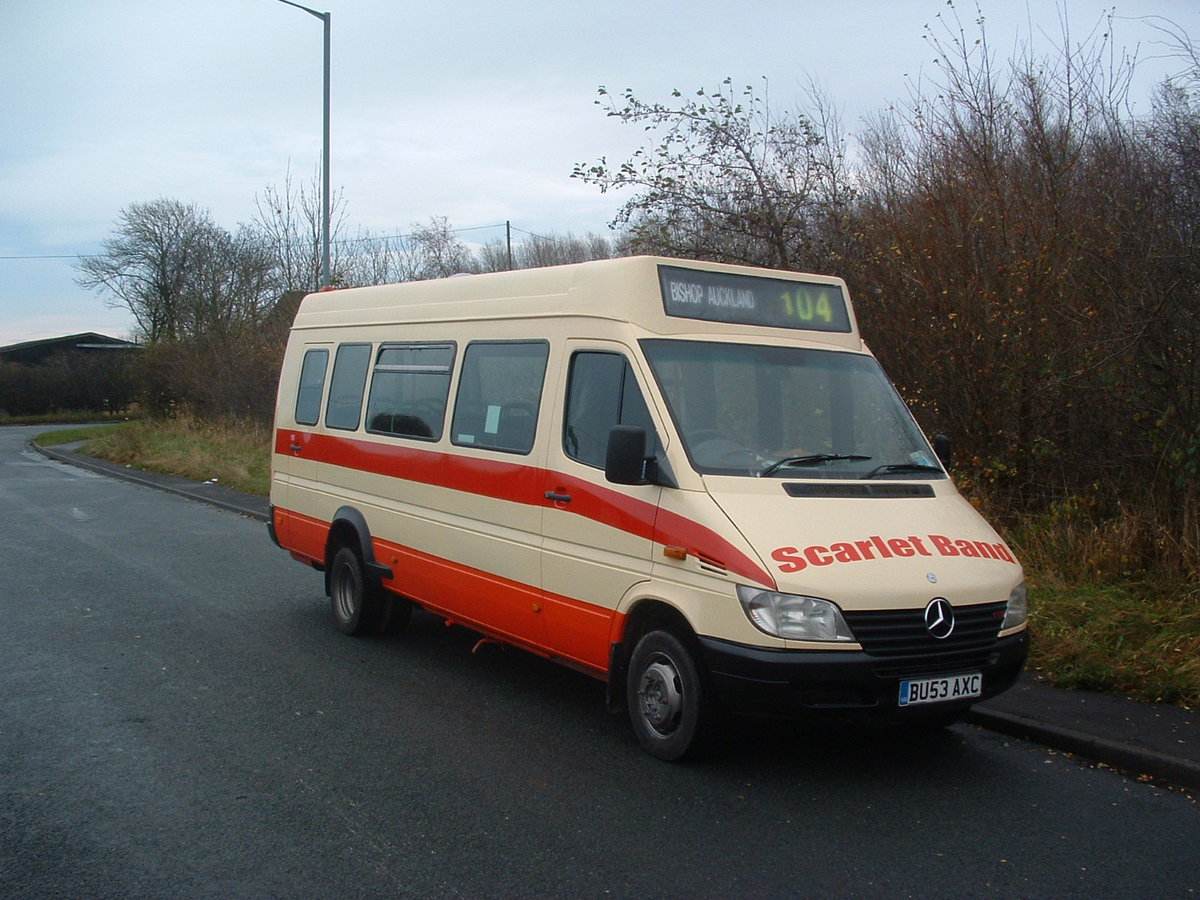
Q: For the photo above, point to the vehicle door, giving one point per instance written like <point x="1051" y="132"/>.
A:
<point x="597" y="536"/>
<point x="293" y="468"/>
<point x="494" y="517"/>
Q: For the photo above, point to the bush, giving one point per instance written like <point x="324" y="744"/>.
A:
<point x="95" y="382"/>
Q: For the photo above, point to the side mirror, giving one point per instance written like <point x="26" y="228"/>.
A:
<point x="625" y="461"/>
<point x="941" y="446"/>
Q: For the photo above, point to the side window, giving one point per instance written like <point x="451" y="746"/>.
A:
<point x="499" y="393"/>
<point x="409" y="390"/>
<point x="601" y="392"/>
<point x="346" y="386"/>
<point x="312" y="386"/>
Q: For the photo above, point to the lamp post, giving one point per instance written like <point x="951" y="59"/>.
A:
<point x="325" y="18"/>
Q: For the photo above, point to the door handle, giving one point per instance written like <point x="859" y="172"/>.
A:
<point x="295" y="448"/>
<point x="557" y="497"/>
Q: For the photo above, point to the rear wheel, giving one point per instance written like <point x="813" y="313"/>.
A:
<point x="359" y="607"/>
<point x="666" y="696"/>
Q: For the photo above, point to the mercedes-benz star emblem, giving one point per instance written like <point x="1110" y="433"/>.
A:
<point x="939" y="618"/>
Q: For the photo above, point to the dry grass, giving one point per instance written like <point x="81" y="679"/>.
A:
<point x="1114" y="602"/>
<point x="237" y="454"/>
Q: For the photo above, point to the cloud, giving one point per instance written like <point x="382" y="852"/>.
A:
<point x="468" y="109"/>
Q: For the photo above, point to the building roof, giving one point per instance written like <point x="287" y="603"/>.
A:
<point x="88" y="341"/>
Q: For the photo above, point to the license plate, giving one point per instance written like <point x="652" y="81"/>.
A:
<point x="940" y="690"/>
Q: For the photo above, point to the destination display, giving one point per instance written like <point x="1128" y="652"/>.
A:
<point x="751" y="300"/>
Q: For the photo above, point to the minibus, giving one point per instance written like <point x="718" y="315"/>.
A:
<point x="692" y="481"/>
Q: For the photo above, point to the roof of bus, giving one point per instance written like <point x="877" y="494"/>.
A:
<point x="625" y="289"/>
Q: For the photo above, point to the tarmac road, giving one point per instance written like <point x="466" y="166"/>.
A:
<point x="179" y="717"/>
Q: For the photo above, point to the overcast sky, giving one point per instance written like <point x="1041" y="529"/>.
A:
<point x="472" y="110"/>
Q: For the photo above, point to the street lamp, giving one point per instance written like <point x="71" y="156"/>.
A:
<point x="324" y="17"/>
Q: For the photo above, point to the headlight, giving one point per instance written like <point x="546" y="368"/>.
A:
<point x="1018" y="608"/>
<point x="792" y="616"/>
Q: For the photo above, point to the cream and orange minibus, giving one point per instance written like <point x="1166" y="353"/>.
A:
<point x="692" y="481"/>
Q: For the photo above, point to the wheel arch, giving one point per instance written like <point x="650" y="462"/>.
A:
<point x="349" y="529"/>
<point x="644" y="615"/>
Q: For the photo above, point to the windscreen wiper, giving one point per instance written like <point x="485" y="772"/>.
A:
<point x="901" y="467"/>
<point x="812" y="459"/>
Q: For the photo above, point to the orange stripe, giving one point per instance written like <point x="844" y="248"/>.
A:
<point x="519" y="483"/>
<point x="302" y="534"/>
<point x="547" y="624"/>
<point x="509" y="610"/>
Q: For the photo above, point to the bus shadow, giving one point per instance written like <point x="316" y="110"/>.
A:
<point x="473" y="670"/>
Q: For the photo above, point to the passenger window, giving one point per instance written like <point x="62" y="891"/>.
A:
<point x="346" y="386"/>
<point x="312" y="386"/>
<point x="602" y="392"/>
<point x="499" y="393"/>
<point x="409" y="390"/>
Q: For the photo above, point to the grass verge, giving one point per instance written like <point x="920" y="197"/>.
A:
<point x="1114" y="600"/>
<point x="236" y="454"/>
<point x="1132" y="637"/>
<point x="60" y="418"/>
<point x="84" y="433"/>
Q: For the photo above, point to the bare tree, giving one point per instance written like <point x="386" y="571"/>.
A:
<point x="375" y="259"/>
<point x="730" y="178"/>
<point x="177" y="271"/>
<point x="287" y="221"/>
<point x="431" y="250"/>
<point x="1026" y="269"/>
<point x="200" y="297"/>
<point x="438" y="251"/>
<point x="548" y="250"/>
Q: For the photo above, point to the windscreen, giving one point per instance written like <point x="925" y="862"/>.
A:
<point x="787" y="412"/>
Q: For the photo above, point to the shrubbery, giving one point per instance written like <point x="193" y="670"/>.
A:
<point x="98" y="382"/>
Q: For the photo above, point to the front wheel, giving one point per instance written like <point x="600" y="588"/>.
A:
<point x="666" y="696"/>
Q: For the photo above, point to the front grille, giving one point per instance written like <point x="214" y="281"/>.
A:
<point x="901" y="632"/>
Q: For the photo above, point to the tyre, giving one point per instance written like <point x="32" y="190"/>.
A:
<point x="666" y="696"/>
<point x="359" y="607"/>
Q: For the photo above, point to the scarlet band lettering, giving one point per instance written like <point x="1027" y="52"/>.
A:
<point x="876" y="548"/>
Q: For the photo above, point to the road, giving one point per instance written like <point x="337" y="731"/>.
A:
<point x="180" y="717"/>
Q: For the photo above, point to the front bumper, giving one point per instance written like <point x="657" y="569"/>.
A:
<point x="793" y="683"/>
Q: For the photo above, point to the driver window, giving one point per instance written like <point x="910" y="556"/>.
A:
<point x="499" y="392"/>
<point x="602" y="392"/>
